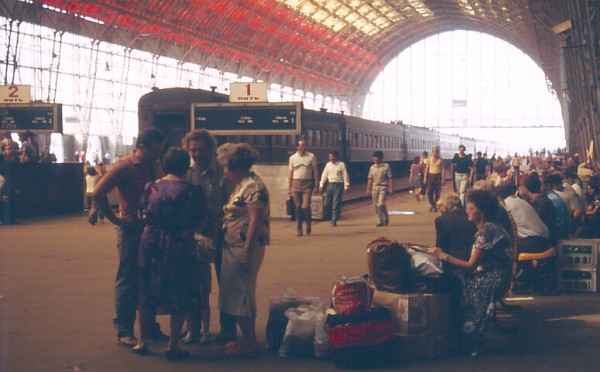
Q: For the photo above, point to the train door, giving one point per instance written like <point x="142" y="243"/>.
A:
<point x="343" y="141"/>
<point x="174" y="124"/>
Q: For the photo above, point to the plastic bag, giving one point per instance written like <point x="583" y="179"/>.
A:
<point x="322" y="347"/>
<point x="277" y="322"/>
<point x="426" y="265"/>
<point x="205" y="249"/>
<point x="299" y="337"/>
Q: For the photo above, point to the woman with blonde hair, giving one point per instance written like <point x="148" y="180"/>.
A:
<point x="246" y="228"/>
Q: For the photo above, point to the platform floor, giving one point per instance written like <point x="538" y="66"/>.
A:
<point x="56" y="302"/>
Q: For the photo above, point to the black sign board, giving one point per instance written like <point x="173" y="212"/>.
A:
<point x="38" y="118"/>
<point x="247" y="118"/>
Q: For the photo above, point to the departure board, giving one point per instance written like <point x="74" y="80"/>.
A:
<point x="247" y="118"/>
<point x="38" y="118"/>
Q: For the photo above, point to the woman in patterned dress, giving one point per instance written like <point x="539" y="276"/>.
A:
<point x="488" y="272"/>
<point x="246" y="228"/>
<point x="171" y="209"/>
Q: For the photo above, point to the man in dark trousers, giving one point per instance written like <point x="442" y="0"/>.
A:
<point x="129" y="176"/>
<point x="460" y="168"/>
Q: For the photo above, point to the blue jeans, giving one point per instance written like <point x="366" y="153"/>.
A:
<point x="333" y="199"/>
<point x="126" y="281"/>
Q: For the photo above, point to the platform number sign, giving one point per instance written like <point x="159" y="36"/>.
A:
<point x="248" y="92"/>
<point x="15" y="94"/>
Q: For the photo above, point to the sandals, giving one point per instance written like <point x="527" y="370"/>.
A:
<point x="141" y="350"/>
<point x="127" y="341"/>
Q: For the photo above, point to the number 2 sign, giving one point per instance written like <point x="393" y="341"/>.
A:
<point x="15" y="94"/>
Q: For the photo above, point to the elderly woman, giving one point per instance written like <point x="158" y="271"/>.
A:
<point x="454" y="235"/>
<point x="246" y="228"/>
<point x="171" y="209"/>
<point x="488" y="271"/>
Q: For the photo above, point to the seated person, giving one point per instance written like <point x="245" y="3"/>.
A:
<point x="531" y="191"/>
<point x="488" y="272"/>
<point x="455" y="235"/>
<point x="532" y="234"/>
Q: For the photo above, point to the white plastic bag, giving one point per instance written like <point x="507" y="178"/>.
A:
<point x="322" y="346"/>
<point x="299" y="337"/>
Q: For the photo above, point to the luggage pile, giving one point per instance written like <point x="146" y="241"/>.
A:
<point x="420" y="319"/>
<point x="374" y="321"/>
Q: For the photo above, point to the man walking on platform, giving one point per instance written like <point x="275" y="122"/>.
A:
<point x="337" y="179"/>
<point x="302" y="182"/>
<point x="129" y="176"/>
<point x="460" y="168"/>
<point x="379" y="184"/>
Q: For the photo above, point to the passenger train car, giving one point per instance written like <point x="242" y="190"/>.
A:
<point x="355" y="138"/>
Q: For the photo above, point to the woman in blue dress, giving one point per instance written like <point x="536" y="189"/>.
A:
<point x="487" y="274"/>
<point x="171" y="209"/>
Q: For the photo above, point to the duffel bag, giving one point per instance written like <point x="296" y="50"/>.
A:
<point x="389" y="265"/>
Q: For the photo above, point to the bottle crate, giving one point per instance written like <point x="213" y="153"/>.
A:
<point x="572" y="280"/>
<point x="578" y="253"/>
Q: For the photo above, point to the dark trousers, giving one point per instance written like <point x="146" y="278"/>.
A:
<point x="434" y="187"/>
<point x="333" y="199"/>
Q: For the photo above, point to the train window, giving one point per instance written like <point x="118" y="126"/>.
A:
<point x="310" y="138"/>
<point x="317" y="139"/>
<point x="325" y="139"/>
<point x="356" y="140"/>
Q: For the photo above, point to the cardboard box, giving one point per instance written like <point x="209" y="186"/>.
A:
<point x="426" y="345"/>
<point x="415" y="313"/>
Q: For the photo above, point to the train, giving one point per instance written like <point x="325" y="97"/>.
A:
<point x="355" y="138"/>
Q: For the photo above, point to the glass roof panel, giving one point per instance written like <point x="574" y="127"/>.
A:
<point x="369" y="17"/>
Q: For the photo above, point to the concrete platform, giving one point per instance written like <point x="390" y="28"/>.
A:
<point x="56" y="301"/>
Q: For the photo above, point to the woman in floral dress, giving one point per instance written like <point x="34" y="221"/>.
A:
<point x="171" y="209"/>
<point x="246" y="228"/>
<point x="488" y="272"/>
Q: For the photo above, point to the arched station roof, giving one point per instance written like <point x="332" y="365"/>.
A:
<point x="331" y="47"/>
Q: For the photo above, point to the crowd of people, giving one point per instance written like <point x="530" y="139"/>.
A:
<point x="202" y="204"/>
<point x="199" y="204"/>
<point x="500" y="208"/>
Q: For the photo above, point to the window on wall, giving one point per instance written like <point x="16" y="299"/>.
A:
<point x="471" y="84"/>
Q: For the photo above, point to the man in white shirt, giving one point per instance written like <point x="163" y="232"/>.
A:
<point x="532" y="234"/>
<point x="302" y="182"/>
<point x="337" y="179"/>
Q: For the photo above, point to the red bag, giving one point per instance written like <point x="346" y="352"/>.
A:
<point x="351" y="295"/>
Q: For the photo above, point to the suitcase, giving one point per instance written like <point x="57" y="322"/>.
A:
<point x="363" y="339"/>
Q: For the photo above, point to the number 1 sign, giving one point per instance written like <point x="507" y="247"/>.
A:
<point x="248" y="92"/>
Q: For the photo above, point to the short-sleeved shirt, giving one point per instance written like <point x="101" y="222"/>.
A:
<point x="250" y="193"/>
<point x="303" y="166"/>
<point x="462" y="165"/>
<point x="216" y="189"/>
<point x="380" y="174"/>
<point x="132" y="177"/>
